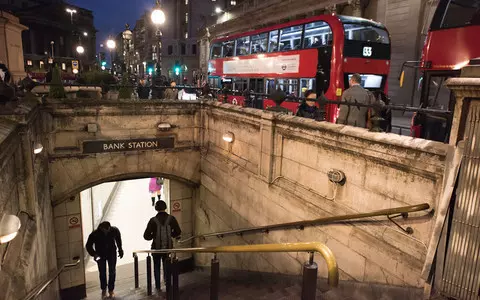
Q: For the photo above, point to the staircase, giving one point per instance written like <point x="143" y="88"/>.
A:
<point x="260" y="286"/>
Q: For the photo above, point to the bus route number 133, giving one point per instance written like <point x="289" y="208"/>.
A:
<point x="367" y="51"/>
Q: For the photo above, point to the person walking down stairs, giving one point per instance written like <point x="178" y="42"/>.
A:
<point x="155" y="188"/>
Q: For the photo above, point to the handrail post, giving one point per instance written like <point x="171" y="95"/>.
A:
<point x="215" y="274"/>
<point x="149" y="275"/>
<point x="309" y="286"/>
<point x="176" y="293"/>
<point x="168" y="279"/>
<point x="135" y="269"/>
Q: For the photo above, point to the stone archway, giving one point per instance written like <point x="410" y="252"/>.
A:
<point x="73" y="173"/>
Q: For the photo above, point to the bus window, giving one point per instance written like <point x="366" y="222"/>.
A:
<point x="307" y="84"/>
<point x="273" y="41"/>
<point x="256" y="85"/>
<point x="239" y="84"/>
<point x="290" y="38"/>
<point x="228" y="48"/>
<point x="365" y="33"/>
<point x="216" y="51"/>
<point x="269" y="86"/>
<point x="461" y="13"/>
<point x="259" y="43"/>
<point x="289" y="86"/>
<point x="317" y="34"/>
<point x="243" y="46"/>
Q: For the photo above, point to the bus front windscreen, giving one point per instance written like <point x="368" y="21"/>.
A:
<point x="365" y="33"/>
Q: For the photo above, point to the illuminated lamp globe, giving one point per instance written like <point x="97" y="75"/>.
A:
<point x="9" y="227"/>
<point x="80" y="49"/>
<point x="75" y="71"/>
<point x="158" y="16"/>
<point x="111" y="44"/>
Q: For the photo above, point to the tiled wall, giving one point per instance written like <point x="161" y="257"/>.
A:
<point x="182" y="194"/>
<point x="69" y="242"/>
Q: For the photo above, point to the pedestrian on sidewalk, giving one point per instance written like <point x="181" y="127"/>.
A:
<point x="161" y="229"/>
<point x="155" y="188"/>
<point x="102" y="245"/>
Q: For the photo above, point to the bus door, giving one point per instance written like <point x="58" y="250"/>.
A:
<point x="257" y="85"/>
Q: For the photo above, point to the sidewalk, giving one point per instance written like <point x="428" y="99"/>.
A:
<point x="130" y="211"/>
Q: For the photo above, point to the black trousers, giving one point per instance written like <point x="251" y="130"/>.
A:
<point x="159" y="259"/>
<point x="102" y="270"/>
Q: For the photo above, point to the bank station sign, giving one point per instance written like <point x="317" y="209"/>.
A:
<point x="128" y="145"/>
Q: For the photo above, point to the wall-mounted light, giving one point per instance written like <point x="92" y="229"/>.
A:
<point x="228" y="137"/>
<point x="9" y="227"/>
<point x="164" y="126"/>
<point x="37" y="148"/>
<point x="336" y="176"/>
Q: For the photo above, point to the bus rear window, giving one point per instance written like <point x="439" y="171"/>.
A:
<point x="216" y="51"/>
<point x="461" y="13"/>
<point x="366" y="33"/>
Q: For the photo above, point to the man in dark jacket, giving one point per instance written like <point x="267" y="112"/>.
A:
<point x="102" y="246"/>
<point x="161" y="229"/>
<point x="308" y="109"/>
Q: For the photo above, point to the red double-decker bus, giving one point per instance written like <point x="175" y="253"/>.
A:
<point x="452" y="41"/>
<point x="318" y="53"/>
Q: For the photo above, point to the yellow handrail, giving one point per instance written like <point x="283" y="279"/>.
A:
<point x="285" y="247"/>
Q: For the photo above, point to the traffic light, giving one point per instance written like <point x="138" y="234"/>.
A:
<point x="104" y="63"/>
<point x="177" y="70"/>
<point x="150" y="71"/>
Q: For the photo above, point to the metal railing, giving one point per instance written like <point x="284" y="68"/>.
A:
<point x="310" y="268"/>
<point x="33" y="294"/>
<point x="390" y="213"/>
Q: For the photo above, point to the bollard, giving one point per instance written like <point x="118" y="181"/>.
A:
<point x="135" y="269"/>
<point x="168" y="279"/>
<point x="174" y="268"/>
<point x="149" y="275"/>
<point x="309" y="286"/>
<point x="215" y="274"/>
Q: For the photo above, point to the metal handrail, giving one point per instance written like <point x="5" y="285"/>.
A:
<point x="314" y="222"/>
<point x="286" y="247"/>
<point x="41" y="287"/>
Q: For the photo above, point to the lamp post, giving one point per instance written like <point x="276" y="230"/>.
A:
<point x="127" y="47"/>
<point x="158" y="18"/>
<point x="71" y="12"/>
<point x="111" y="46"/>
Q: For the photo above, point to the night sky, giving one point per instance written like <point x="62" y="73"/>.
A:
<point x="111" y="15"/>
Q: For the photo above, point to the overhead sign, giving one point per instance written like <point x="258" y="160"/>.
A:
<point x="277" y="64"/>
<point x="128" y="145"/>
<point x="75" y="64"/>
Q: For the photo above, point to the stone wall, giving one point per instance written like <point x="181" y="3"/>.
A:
<point x="275" y="171"/>
<point x="180" y="206"/>
<point x="29" y="258"/>
<point x="72" y="171"/>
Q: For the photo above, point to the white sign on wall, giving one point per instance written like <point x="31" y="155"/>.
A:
<point x="278" y="64"/>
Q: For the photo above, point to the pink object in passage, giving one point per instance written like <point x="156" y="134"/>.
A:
<point x="153" y="186"/>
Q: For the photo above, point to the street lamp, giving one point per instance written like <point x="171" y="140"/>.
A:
<point x="158" y="18"/>
<point x="71" y="12"/>
<point x="80" y="49"/>
<point x="111" y="45"/>
<point x="218" y="10"/>
<point x="85" y="33"/>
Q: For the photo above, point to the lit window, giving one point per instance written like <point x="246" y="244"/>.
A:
<point x="154" y="48"/>
<point x="29" y="63"/>
<point x="186" y="2"/>
<point x="186" y="17"/>
<point x="64" y="67"/>
<point x="154" y="56"/>
<point x="41" y="64"/>
<point x="233" y="2"/>
<point x="186" y="35"/>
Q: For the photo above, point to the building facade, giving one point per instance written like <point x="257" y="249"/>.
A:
<point x="178" y="44"/>
<point x="406" y="21"/>
<point x="54" y="34"/>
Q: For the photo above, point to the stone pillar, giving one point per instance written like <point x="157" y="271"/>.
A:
<point x="265" y="168"/>
<point x="11" y="47"/>
<point x="357" y="9"/>
<point x="467" y="92"/>
<point x="331" y="9"/>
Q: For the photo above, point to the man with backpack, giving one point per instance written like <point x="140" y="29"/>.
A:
<point x="161" y="229"/>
